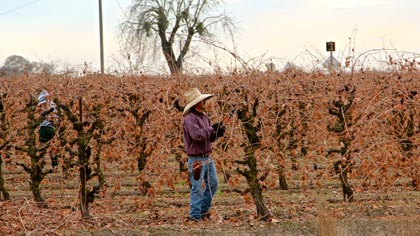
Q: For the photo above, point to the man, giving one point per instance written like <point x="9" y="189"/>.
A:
<point x="198" y="135"/>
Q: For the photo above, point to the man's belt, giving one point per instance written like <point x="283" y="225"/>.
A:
<point x="200" y="155"/>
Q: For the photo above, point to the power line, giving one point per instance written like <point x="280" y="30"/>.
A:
<point x="121" y="8"/>
<point x="119" y="4"/>
<point x="19" y="7"/>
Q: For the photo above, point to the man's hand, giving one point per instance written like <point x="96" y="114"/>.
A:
<point x="219" y="131"/>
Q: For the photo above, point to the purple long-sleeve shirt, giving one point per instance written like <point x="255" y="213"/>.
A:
<point x="197" y="130"/>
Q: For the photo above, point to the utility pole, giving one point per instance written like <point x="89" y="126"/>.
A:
<point x="101" y="37"/>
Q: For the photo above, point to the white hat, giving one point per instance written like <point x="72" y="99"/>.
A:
<point x="192" y="97"/>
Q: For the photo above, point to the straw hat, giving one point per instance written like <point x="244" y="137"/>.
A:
<point x="192" y="97"/>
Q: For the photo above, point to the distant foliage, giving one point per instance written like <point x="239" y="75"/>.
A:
<point x="16" y="65"/>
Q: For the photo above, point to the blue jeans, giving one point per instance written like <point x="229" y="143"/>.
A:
<point x="201" y="195"/>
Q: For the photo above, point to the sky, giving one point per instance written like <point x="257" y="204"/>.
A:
<point x="67" y="31"/>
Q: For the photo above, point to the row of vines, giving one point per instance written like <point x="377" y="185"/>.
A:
<point x="360" y="130"/>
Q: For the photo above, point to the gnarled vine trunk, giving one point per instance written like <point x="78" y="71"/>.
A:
<point x="250" y="161"/>
<point x="84" y="151"/>
<point x="341" y="109"/>
<point x="3" y="191"/>
<point x="4" y="132"/>
<point x="35" y="152"/>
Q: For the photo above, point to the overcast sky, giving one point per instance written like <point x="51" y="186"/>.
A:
<point x="68" y="30"/>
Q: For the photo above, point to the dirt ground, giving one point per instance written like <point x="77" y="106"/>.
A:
<point x="125" y="211"/>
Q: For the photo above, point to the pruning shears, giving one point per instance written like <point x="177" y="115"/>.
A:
<point x="228" y="116"/>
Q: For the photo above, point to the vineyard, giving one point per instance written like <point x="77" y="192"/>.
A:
<point x="303" y="154"/>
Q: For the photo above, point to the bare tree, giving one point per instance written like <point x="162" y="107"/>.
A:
<point x="167" y="24"/>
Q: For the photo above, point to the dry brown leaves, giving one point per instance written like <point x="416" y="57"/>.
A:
<point x="379" y="163"/>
